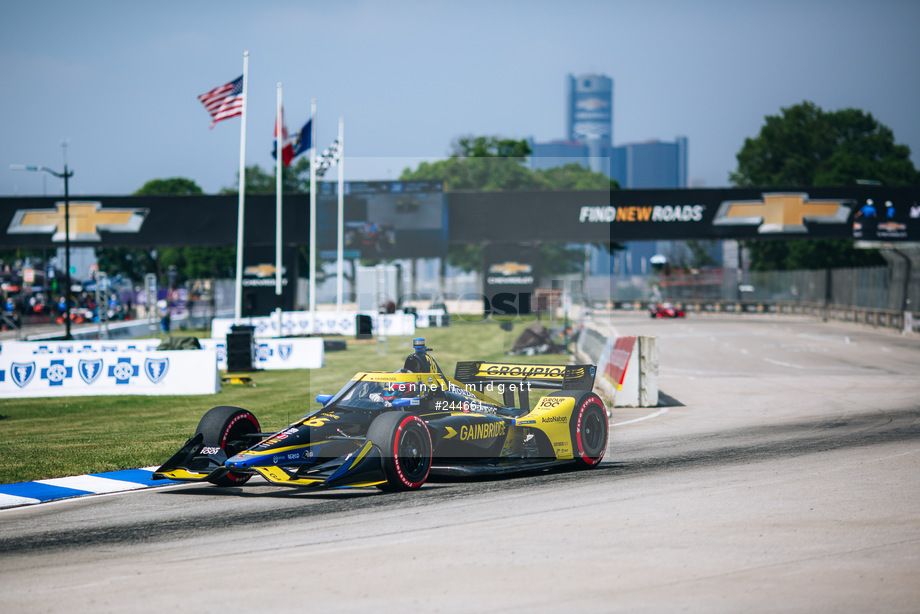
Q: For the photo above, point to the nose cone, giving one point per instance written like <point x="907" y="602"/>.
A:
<point x="240" y="462"/>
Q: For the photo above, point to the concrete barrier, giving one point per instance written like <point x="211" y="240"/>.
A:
<point x="627" y="367"/>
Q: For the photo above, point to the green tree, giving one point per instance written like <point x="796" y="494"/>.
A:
<point x="175" y="186"/>
<point x="491" y="163"/>
<point x="190" y="262"/>
<point x="294" y="179"/>
<point x="806" y="146"/>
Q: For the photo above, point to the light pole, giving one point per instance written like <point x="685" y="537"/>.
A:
<point x="67" y="174"/>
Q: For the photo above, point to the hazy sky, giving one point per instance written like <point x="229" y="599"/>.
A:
<point x="119" y="80"/>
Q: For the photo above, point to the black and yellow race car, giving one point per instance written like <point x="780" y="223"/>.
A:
<point x="394" y="430"/>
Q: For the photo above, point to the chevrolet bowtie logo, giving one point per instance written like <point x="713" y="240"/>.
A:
<point x="86" y="220"/>
<point x="510" y="268"/>
<point x="782" y="212"/>
<point x="261" y="270"/>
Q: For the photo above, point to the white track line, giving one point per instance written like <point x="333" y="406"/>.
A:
<point x="660" y="412"/>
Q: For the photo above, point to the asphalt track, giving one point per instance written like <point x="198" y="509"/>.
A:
<point x="783" y="477"/>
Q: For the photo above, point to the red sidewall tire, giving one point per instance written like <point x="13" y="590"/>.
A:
<point x="406" y="449"/>
<point x="590" y="431"/>
<point x="224" y="426"/>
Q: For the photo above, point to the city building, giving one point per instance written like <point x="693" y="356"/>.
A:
<point x="589" y="142"/>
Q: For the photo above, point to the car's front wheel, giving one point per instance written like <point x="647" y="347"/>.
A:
<point x="405" y="447"/>
<point x="228" y="427"/>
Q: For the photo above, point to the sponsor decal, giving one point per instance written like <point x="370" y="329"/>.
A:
<point x="263" y="282"/>
<point x="262" y="270"/>
<point x="278" y="437"/>
<point x="22" y="373"/>
<point x="487" y="370"/>
<point x="209" y="450"/>
<point x="656" y="213"/>
<point x="284" y="350"/>
<point x="782" y="212"/>
<point x="123" y="371"/>
<point x="550" y="402"/>
<point x="482" y="431"/>
<point x="510" y="268"/>
<point x="156" y="368"/>
<point x="510" y="273"/>
<point x="290" y="456"/>
<point x="516" y="280"/>
<point x="86" y="220"/>
<point x="561" y="419"/>
<point x="263" y="352"/>
<point x="90" y="370"/>
<point x="56" y="373"/>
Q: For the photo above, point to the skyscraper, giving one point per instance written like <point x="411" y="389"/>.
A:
<point x="589" y="142"/>
<point x="650" y="164"/>
<point x="589" y="115"/>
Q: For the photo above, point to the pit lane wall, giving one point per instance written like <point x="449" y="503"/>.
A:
<point x="81" y="368"/>
<point x="627" y="367"/>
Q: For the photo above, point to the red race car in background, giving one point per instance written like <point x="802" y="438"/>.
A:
<point x="665" y="310"/>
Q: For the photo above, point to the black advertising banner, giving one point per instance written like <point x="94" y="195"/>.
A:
<point x="151" y="221"/>
<point x="509" y="274"/>
<point x="393" y="219"/>
<point x="637" y="215"/>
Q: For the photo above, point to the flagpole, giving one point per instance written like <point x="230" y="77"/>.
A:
<point x="313" y="208"/>
<point x="340" y="247"/>
<point x="279" y="157"/>
<point x="238" y="306"/>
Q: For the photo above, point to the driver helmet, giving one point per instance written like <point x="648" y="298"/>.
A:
<point x="399" y="390"/>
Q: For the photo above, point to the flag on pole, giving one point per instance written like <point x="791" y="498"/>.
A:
<point x="224" y="101"/>
<point x="329" y="157"/>
<point x="302" y="141"/>
<point x="287" y="147"/>
<point x="292" y="147"/>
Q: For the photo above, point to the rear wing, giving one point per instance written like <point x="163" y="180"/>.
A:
<point x="484" y="376"/>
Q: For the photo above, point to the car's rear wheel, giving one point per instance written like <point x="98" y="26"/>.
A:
<point x="405" y="447"/>
<point x="589" y="428"/>
<point x="227" y="427"/>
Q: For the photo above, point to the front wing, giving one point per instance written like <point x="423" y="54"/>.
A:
<point x="195" y="462"/>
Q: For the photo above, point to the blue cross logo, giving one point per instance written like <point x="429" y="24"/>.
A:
<point x="123" y="371"/>
<point x="56" y="373"/>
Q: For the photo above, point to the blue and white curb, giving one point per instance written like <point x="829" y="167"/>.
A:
<point x="42" y="491"/>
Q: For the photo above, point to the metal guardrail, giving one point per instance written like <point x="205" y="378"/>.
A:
<point x="906" y="321"/>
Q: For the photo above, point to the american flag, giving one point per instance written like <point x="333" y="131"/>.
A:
<point x="224" y="101"/>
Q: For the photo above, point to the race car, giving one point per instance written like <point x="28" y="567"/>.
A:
<point x="393" y="430"/>
<point x="665" y="310"/>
